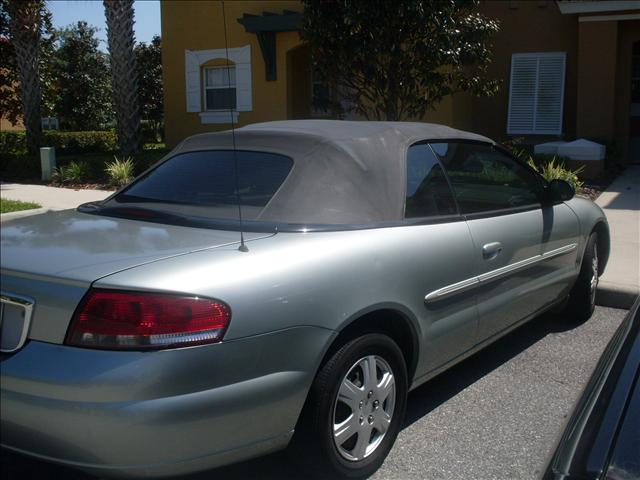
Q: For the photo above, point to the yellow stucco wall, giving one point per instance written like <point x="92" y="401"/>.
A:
<point x="198" y="25"/>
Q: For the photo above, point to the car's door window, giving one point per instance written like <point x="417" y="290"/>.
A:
<point x="485" y="179"/>
<point x="428" y="193"/>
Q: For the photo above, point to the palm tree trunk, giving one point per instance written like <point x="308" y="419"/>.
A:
<point x="24" y="26"/>
<point x="124" y="75"/>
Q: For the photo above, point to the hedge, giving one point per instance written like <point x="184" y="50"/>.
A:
<point x="14" y="143"/>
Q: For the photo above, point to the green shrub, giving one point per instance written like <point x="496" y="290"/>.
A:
<point x="120" y="172"/>
<point x="551" y="170"/>
<point x="81" y="142"/>
<point x="19" y="167"/>
<point x="75" y="172"/>
<point x="14" y="143"/>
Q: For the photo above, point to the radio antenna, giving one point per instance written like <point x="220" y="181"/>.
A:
<point x="243" y="246"/>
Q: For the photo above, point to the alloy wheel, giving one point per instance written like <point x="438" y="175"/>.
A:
<point x="363" y="409"/>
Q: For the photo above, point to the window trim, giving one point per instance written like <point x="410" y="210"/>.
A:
<point x="537" y="56"/>
<point x="205" y="88"/>
<point x="446" y="176"/>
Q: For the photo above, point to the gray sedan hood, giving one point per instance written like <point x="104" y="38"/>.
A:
<point x="77" y="246"/>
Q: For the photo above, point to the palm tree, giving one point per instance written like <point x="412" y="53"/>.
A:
<point x="25" y="22"/>
<point x="124" y="76"/>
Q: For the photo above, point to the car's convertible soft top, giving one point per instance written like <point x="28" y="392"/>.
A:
<point x="344" y="172"/>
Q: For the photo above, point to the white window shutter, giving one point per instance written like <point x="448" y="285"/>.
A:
<point x="244" y="100"/>
<point x="550" y="94"/>
<point x="522" y="94"/>
<point x="192" y="81"/>
<point x="536" y="93"/>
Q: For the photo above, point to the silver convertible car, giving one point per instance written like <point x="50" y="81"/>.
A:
<point x="283" y="284"/>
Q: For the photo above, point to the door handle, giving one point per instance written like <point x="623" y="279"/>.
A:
<point x="491" y="250"/>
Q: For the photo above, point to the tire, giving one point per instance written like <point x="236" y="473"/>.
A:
<point x="331" y="437"/>
<point x="582" y="298"/>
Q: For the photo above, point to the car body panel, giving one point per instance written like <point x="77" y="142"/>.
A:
<point x="589" y="217"/>
<point x="291" y="279"/>
<point x="601" y="437"/>
<point x="561" y="231"/>
<point x="229" y="396"/>
<point x="510" y="297"/>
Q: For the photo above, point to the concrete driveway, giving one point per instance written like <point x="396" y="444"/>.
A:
<point x="51" y="198"/>
<point x="494" y="416"/>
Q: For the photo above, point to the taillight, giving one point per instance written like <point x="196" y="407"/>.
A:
<point x="113" y="319"/>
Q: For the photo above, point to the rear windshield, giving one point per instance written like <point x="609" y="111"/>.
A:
<point x="204" y="184"/>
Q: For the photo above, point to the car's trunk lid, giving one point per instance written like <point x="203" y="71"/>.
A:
<point x="52" y="259"/>
<point x="82" y="247"/>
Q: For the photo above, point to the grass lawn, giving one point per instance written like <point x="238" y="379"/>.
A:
<point x="7" y="206"/>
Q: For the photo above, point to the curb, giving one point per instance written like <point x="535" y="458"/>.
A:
<point x="616" y="295"/>
<point x="23" y="213"/>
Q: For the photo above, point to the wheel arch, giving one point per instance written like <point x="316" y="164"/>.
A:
<point x="388" y="320"/>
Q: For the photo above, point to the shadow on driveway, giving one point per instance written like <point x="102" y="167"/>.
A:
<point x="279" y="467"/>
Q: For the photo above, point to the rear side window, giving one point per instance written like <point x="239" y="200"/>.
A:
<point x="428" y="193"/>
<point x="208" y="179"/>
<point x="485" y="179"/>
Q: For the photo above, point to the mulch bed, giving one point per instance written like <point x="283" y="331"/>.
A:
<point x="81" y="186"/>
<point x="592" y="188"/>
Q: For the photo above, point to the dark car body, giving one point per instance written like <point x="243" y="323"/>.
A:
<point x="602" y="438"/>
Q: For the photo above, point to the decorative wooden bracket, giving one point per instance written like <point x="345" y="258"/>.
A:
<point x="265" y="27"/>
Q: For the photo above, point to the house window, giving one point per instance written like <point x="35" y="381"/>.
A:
<point x="536" y="93"/>
<point x="211" y="95"/>
<point x="220" y="88"/>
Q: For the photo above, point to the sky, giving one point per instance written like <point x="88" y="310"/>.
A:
<point x="66" y="12"/>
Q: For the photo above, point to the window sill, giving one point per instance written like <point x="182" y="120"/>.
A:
<point x="220" y="116"/>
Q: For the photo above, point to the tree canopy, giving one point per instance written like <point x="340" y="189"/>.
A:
<point x="81" y="71"/>
<point x="397" y="60"/>
<point x="149" y="65"/>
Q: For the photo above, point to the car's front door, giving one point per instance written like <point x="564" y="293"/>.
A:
<point x="501" y="200"/>
<point x="442" y="253"/>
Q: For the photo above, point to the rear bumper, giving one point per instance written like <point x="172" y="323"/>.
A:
<point x="158" y="413"/>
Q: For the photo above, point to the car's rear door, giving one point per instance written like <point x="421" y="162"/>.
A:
<point x="501" y="200"/>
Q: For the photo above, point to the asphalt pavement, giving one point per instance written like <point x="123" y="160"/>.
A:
<point x="496" y="415"/>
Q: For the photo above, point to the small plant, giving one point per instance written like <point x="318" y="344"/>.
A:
<point x="551" y="170"/>
<point x="75" y="172"/>
<point x="78" y="172"/>
<point x="120" y="172"/>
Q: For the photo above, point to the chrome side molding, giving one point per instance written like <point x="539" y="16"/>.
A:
<point x="473" y="282"/>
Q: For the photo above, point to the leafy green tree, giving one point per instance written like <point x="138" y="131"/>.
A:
<point x="81" y="73"/>
<point x="397" y="60"/>
<point x="149" y="65"/>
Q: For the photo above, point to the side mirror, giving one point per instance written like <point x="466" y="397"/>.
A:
<point x="561" y="190"/>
